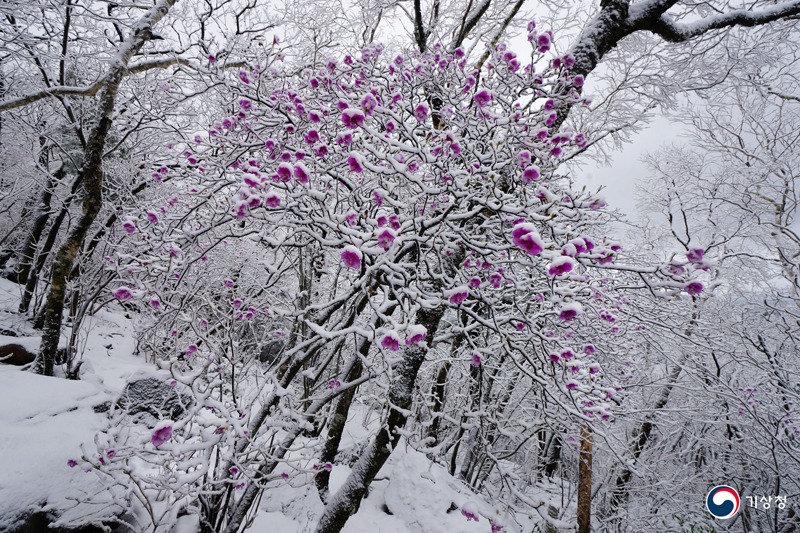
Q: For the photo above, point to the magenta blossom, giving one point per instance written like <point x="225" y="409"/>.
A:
<point x="129" y="226"/>
<point x="354" y="164"/>
<point x="457" y="295"/>
<point x="390" y="342"/>
<point x="561" y="265"/>
<point x="530" y="174"/>
<point x="385" y="238"/>
<point x="416" y="334"/>
<point x="162" y="434"/>
<point x="525" y="236"/>
<point x="72" y="463"/>
<point x="272" y="201"/>
<point x="482" y="98"/>
<point x="474" y="282"/>
<point x="470" y="511"/>
<point x="693" y="288"/>
<point x="369" y="103"/>
<point x="352" y="118"/>
<point x="301" y="173"/>
<point x="351" y="257"/>
<point x="695" y="255"/>
<point x="476" y="360"/>
<point x="570" y="311"/>
<point x="122" y="294"/>
<point x="421" y="112"/>
<point x="152" y="217"/>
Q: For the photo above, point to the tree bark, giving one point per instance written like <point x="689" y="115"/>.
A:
<point x="585" y="481"/>
<point x="345" y="502"/>
<point x="92" y="177"/>
<point x="28" y="254"/>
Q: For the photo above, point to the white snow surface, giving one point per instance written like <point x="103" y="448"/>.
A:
<point x="46" y="421"/>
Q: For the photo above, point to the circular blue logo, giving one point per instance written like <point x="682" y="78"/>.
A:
<point x="723" y="502"/>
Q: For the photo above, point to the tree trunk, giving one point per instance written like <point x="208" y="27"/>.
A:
<point x="28" y="254"/>
<point x="345" y="502"/>
<point x="336" y="428"/>
<point x="92" y="177"/>
<point x="585" y="481"/>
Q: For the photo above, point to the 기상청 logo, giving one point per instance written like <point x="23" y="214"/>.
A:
<point x="722" y="502"/>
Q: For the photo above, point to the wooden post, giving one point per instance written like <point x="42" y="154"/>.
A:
<point x="585" y="481"/>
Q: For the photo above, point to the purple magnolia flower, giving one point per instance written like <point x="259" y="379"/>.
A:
<point x="152" y="217"/>
<point x="368" y="104"/>
<point x="394" y="222"/>
<point x="272" y="201"/>
<point x="390" y="342"/>
<point x="312" y="137"/>
<point x="284" y="172"/>
<point x="476" y="360"/>
<point x="233" y="470"/>
<point x="244" y="77"/>
<point x="577" y="81"/>
<point x="352" y="118"/>
<point x="72" y="463"/>
<point x="570" y="311"/>
<point x="301" y="173"/>
<point x="695" y="255"/>
<point x="523" y="159"/>
<point x="351" y="257"/>
<point x="245" y="104"/>
<point x="572" y="384"/>
<point x="482" y="98"/>
<point x="228" y="282"/>
<point x="385" y="238"/>
<point x="344" y="138"/>
<point x="561" y="265"/>
<point x="589" y="349"/>
<point x="334" y="384"/>
<point x="162" y="434"/>
<point x="530" y="174"/>
<point x="129" y="226"/>
<point x="693" y="288"/>
<point x="155" y="303"/>
<point x="525" y="236"/>
<point x="470" y="511"/>
<point x="474" y="282"/>
<point x="321" y="150"/>
<point x="354" y="164"/>
<point x="421" y="112"/>
<point x="416" y="334"/>
<point x="457" y="295"/>
<point x="496" y="279"/>
<point x="122" y="294"/>
<point x="497" y="527"/>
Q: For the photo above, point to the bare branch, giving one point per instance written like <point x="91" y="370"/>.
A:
<point x="669" y="30"/>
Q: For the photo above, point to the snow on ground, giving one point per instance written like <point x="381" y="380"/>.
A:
<point x="45" y="421"/>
